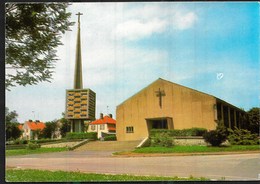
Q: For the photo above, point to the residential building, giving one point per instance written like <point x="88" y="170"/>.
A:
<point x="30" y="129"/>
<point x="104" y="125"/>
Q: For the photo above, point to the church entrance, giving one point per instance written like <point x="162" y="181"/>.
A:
<point x="159" y="123"/>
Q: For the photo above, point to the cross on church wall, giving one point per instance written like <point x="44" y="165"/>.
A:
<point x="160" y="94"/>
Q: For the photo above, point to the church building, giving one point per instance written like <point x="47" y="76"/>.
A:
<point x="167" y="105"/>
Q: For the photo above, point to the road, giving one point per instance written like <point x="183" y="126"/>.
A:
<point x="228" y="167"/>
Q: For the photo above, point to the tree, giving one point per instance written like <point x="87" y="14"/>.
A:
<point x="218" y="136"/>
<point x="254" y="119"/>
<point x="49" y="129"/>
<point x="11" y="125"/>
<point x="66" y="125"/>
<point x="10" y="117"/>
<point x="33" y="32"/>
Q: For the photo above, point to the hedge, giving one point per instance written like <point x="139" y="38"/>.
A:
<point x="12" y="147"/>
<point x="39" y="141"/>
<point x="110" y="138"/>
<point x="184" y="132"/>
<point x="242" y="137"/>
<point x="80" y="135"/>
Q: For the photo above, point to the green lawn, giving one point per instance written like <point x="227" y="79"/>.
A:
<point x="39" y="150"/>
<point x="32" y="175"/>
<point x="196" y="149"/>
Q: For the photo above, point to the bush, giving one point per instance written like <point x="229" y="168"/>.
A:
<point x="110" y="138"/>
<point x="184" y="132"/>
<point x="242" y="137"/>
<point x="17" y="141"/>
<point x="46" y="140"/>
<point x="32" y="146"/>
<point x="198" y="131"/>
<point x="162" y="139"/>
<point x="79" y="135"/>
<point x="22" y="141"/>
<point x="216" y="137"/>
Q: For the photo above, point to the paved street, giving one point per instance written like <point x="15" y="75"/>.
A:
<point x="230" y="167"/>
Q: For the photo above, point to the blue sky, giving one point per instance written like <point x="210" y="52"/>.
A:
<point x="127" y="46"/>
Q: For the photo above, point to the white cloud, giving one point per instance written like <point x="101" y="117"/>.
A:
<point x="185" y="21"/>
<point x="135" y="29"/>
<point x="146" y="20"/>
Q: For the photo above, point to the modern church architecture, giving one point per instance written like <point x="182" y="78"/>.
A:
<point x="80" y="103"/>
<point x="166" y="105"/>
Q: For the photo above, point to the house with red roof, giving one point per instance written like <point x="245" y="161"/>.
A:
<point x="31" y="129"/>
<point x="103" y="125"/>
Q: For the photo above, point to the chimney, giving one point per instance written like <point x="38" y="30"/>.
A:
<point x="110" y="115"/>
<point x="101" y="115"/>
<point x="37" y="121"/>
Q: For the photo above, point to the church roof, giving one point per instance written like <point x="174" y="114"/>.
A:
<point x="104" y="120"/>
<point x="172" y="83"/>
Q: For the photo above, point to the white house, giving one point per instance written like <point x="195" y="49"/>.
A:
<point x="30" y="129"/>
<point x="104" y="125"/>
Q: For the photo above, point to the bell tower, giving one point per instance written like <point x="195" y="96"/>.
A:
<point x="80" y="102"/>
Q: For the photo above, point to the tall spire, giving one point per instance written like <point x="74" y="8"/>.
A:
<point x="78" y="82"/>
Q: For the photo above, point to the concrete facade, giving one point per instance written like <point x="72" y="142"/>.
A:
<point x="166" y="105"/>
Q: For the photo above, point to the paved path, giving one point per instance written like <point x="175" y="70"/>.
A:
<point x="230" y="167"/>
<point x="109" y="146"/>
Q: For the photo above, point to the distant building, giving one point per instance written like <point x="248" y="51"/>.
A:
<point x="104" y="125"/>
<point x="166" y="105"/>
<point x="30" y="129"/>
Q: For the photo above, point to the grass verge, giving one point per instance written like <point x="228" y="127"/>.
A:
<point x="32" y="175"/>
<point x="36" y="151"/>
<point x="197" y="149"/>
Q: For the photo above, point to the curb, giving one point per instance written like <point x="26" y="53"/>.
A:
<point x="129" y="154"/>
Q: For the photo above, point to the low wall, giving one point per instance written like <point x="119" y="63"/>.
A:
<point x="189" y="141"/>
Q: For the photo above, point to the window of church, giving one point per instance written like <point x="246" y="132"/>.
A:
<point x="130" y="129"/>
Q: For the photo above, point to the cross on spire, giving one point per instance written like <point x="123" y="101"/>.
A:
<point x="79" y="16"/>
<point x="160" y="94"/>
<point x="78" y="82"/>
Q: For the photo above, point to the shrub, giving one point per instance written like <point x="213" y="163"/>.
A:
<point x="20" y="141"/>
<point x="216" y="137"/>
<point x="81" y="135"/>
<point x="184" y="132"/>
<point x="162" y="139"/>
<point x="17" y="141"/>
<point x="32" y="146"/>
<point x="46" y="140"/>
<point x="110" y="138"/>
<point x="242" y="137"/>
<point x="198" y="131"/>
<point x="24" y="141"/>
